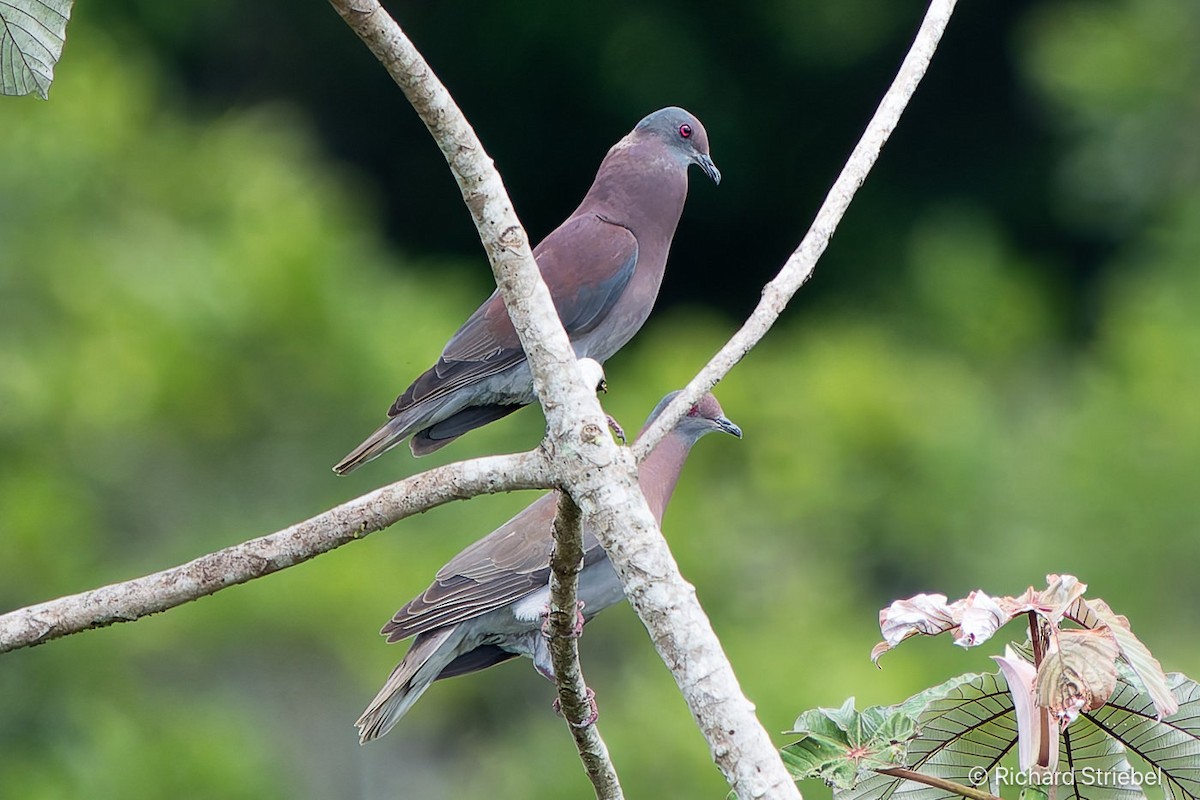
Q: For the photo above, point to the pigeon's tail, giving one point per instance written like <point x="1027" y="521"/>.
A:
<point x="390" y="434"/>
<point x="430" y="653"/>
<point x="440" y="434"/>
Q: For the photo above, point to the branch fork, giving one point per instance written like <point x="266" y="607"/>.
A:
<point x="598" y="479"/>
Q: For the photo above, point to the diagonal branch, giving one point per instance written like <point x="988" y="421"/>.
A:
<point x="134" y="599"/>
<point x="800" y="265"/>
<point x="567" y="402"/>
<point x="601" y="477"/>
<point x="574" y="698"/>
<point x="577" y="456"/>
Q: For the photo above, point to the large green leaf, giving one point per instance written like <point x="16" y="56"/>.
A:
<point x="31" y="40"/>
<point x="963" y="724"/>
<point x="967" y="729"/>
<point x="841" y="745"/>
<point x="1171" y="745"/>
<point x="1097" y="764"/>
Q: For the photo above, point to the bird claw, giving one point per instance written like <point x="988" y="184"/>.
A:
<point x="576" y="630"/>
<point x="616" y="428"/>
<point x="589" y="720"/>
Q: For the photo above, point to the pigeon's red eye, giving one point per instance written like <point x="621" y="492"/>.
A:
<point x="685" y="131"/>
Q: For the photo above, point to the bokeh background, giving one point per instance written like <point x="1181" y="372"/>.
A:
<point x="226" y="244"/>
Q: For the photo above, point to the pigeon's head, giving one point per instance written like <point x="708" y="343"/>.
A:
<point x="684" y="136"/>
<point x="704" y="417"/>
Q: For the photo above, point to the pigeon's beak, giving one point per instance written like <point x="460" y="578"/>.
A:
<point x="725" y="424"/>
<point x="710" y="169"/>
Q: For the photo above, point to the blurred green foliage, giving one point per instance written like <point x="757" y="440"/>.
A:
<point x="199" y="315"/>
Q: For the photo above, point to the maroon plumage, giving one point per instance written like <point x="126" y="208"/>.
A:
<point x="485" y="605"/>
<point x="604" y="266"/>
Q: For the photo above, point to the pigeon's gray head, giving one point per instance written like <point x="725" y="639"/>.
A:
<point x="684" y="136"/>
<point x="704" y="417"/>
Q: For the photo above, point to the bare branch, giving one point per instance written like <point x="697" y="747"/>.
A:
<point x="602" y="477"/>
<point x="585" y="462"/>
<point x="134" y="599"/>
<point x="574" y="698"/>
<point x="685" y="640"/>
<point x="800" y="265"/>
<point x="590" y="467"/>
<point x="504" y="239"/>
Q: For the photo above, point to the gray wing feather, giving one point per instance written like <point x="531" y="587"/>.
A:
<point x="504" y="566"/>
<point x="587" y="263"/>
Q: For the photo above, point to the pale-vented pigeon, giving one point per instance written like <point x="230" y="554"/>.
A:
<point x="603" y="267"/>
<point x="488" y="604"/>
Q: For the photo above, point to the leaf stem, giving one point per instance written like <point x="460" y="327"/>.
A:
<point x="1035" y="637"/>
<point x="938" y="783"/>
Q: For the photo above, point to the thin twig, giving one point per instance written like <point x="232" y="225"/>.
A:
<point x="574" y="419"/>
<point x="134" y="599"/>
<point x="800" y="265"/>
<point x="565" y="399"/>
<point x="574" y="698"/>
<point x="601" y="477"/>
<point x="938" y="783"/>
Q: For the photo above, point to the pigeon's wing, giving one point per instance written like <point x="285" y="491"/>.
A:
<point x="484" y="346"/>
<point x="504" y="566"/>
<point x="586" y="263"/>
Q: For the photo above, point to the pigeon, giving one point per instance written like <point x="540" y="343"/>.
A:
<point x="603" y="266"/>
<point x="488" y="604"/>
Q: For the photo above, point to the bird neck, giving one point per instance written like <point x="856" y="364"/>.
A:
<point x="659" y="473"/>
<point x="641" y="186"/>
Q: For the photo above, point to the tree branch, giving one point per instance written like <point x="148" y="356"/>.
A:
<point x="803" y="261"/>
<point x="578" y="456"/>
<point x="134" y="599"/>
<point x="601" y="477"/>
<point x="566" y="401"/>
<point x="566" y="561"/>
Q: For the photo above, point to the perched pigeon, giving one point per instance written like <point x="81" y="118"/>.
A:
<point x="603" y="267"/>
<point x="488" y="604"/>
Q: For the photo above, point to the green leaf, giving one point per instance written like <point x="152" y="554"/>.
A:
<point x="32" y="33"/>
<point x="841" y="745"/>
<point x="1098" y="762"/>
<point x="964" y="723"/>
<point x="1172" y="745"/>
<point x="967" y="728"/>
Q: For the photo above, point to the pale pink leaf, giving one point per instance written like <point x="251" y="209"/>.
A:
<point x="1060" y="592"/>
<point x="1051" y="603"/>
<point x="926" y="614"/>
<point x="979" y="616"/>
<point x="1077" y="674"/>
<point x="1096" y="613"/>
<point x="1037" y="738"/>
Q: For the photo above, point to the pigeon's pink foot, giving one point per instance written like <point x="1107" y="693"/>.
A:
<point x="590" y="719"/>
